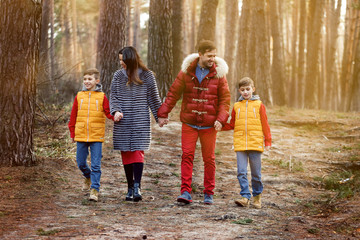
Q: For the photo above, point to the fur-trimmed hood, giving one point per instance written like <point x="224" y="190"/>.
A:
<point x="221" y="66"/>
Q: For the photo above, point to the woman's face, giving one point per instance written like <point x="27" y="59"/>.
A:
<point x="123" y="65"/>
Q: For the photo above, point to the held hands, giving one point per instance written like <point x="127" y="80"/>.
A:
<point x="162" y="121"/>
<point x="217" y="125"/>
<point x="267" y="148"/>
<point x="118" y="116"/>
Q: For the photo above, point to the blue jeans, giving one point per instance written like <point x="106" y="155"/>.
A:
<point x="82" y="152"/>
<point x="255" y="166"/>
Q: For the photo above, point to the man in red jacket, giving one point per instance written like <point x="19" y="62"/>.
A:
<point x="205" y="106"/>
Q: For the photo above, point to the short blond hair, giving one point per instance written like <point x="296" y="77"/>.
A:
<point x="246" y="81"/>
<point x="92" y="71"/>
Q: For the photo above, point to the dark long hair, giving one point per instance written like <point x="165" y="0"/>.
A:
<point x="133" y="62"/>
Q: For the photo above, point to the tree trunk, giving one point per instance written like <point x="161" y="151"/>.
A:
<point x="19" y="55"/>
<point x="301" y="59"/>
<point x="207" y="20"/>
<point x="112" y="37"/>
<point x="262" y="52"/>
<point x="129" y="30"/>
<point x="160" y="57"/>
<point x="312" y="56"/>
<point x="74" y="39"/>
<point x="333" y="21"/>
<point x="242" y="53"/>
<point x="232" y="16"/>
<point x="193" y="26"/>
<point x="177" y="39"/>
<point x="137" y="29"/>
<point x="294" y="92"/>
<point x="277" y="67"/>
<point x="44" y="69"/>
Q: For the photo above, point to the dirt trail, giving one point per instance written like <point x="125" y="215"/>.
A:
<point x="46" y="201"/>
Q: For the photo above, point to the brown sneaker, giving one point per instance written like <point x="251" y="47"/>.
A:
<point x="94" y="195"/>
<point x="257" y="202"/>
<point x="242" y="202"/>
<point x="86" y="184"/>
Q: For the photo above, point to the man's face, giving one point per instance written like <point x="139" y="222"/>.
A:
<point x="207" y="59"/>
<point x="246" y="91"/>
<point x="90" y="82"/>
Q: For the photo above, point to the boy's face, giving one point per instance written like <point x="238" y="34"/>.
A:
<point x="90" y="82"/>
<point x="207" y="59"/>
<point x="246" y="91"/>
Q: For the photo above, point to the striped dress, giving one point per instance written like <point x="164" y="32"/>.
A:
<point x="132" y="132"/>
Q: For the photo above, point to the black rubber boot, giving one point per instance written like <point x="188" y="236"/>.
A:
<point x="137" y="194"/>
<point x="130" y="194"/>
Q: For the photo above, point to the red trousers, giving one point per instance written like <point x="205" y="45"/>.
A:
<point x="189" y="137"/>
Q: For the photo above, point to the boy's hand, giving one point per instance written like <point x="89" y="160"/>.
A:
<point x="217" y="125"/>
<point x="267" y="148"/>
<point x="163" y="121"/>
<point x="73" y="140"/>
<point x="118" y="116"/>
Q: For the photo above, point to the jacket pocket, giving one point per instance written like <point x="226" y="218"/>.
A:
<point x="97" y="130"/>
<point x="80" y="131"/>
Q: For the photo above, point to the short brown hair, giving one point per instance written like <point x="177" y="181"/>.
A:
<point x="246" y="81"/>
<point x="92" y="71"/>
<point x="205" y="46"/>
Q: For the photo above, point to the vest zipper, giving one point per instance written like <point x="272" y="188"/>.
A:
<point x="88" y="117"/>
<point x="246" y="111"/>
<point x="238" y="113"/>
<point x="97" y="105"/>
<point x="81" y="103"/>
<point x="254" y="112"/>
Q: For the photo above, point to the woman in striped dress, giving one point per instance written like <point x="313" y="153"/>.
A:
<point x="133" y="93"/>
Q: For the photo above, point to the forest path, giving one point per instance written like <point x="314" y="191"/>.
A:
<point x="46" y="201"/>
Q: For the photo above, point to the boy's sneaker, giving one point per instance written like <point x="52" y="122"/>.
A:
<point x="86" y="184"/>
<point x="242" y="202"/>
<point x="257" y="201"/>
<point x="185" y="197"/>
<point x="208" y="199"/>
<point x="94" y="195"/>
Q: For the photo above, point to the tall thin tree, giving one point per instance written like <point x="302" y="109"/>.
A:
<point x="160" y="56"/>
<point x="207" y="20"/>
<point x="232" y="16"/>
<point x="19" y="56"/>
<point x="112" y="37"/>
<point x="177" y="34"/>
<point x="277" y="66"/>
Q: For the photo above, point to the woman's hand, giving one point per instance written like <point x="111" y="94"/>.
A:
<point x="118" y="116"/>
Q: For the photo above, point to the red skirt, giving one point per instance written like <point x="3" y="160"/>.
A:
<point x="129" y="157"/>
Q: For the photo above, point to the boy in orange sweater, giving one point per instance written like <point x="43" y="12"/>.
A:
<point x="251" y="128"/>
<point x="87" y="128"/>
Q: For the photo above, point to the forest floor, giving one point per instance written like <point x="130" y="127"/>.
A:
<point x="311" y="182"/>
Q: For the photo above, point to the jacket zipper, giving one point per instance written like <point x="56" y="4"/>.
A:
<point x="88" y="134"/>
<point x="246" y="111"/>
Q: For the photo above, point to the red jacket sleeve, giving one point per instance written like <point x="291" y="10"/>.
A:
<point x="231" y="125"/>
<point x="265" y="125"/>
<point x="224" y="101"/>
<point x="106" y="108"/>
<point x="73" y="116"/>
<point x="174" y="94"/>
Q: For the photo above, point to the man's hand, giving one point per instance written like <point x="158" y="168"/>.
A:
<point x="217" y="125"/>
<point x="118" y="116"/>
<point x="163" y="121"/>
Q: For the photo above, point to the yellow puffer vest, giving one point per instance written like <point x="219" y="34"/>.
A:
<point x="248" y="133"/>
<point x="90" y="120"/>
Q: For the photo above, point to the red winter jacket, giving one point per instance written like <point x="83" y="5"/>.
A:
<point x="203" y="103"/>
